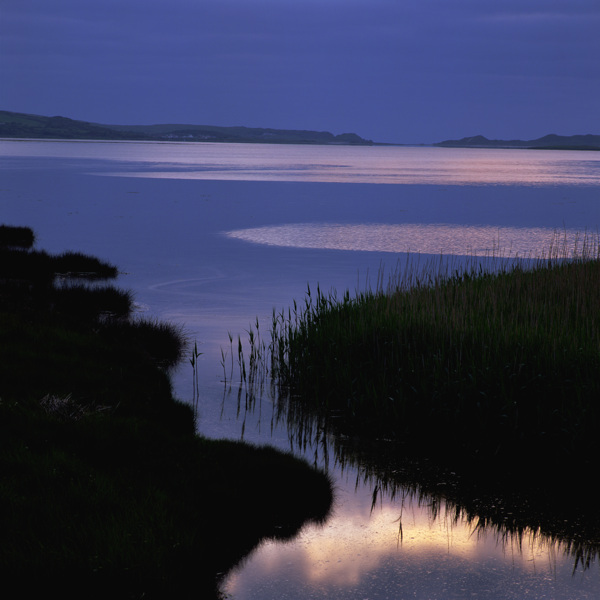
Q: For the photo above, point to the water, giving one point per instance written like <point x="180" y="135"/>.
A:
<point x="334" y="164"/>
<point x="216" y="235"/>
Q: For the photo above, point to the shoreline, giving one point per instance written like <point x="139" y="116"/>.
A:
<point x="108" y="488"/>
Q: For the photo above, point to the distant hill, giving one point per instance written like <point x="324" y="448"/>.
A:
<point x="212" y="133"/>
<point x="21" y="125"/>
<point x="548" y="142"/>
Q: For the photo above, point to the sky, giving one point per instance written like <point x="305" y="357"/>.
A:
<point x="399" y="71"/>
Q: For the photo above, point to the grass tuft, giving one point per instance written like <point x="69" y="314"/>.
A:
<point x="16" y="237"/>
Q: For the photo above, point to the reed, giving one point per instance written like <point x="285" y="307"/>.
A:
<point x="495" y="359"/>
<point x="195" y="381"/>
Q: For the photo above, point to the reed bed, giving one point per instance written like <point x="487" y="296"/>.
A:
<point x="492" y="359"/>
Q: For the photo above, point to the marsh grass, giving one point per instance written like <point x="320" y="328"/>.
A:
<point x="21" y="262"/>
<point x="493" y="359"/>
<point x="195" y="356"/>
<point x="80" y="265"/>
<point x="163" y="343"/>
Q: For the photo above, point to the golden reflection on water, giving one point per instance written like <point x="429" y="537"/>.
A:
<point x="343" y="553"/>
<point x="356" y="545"/>
<point x="418" y="238"/>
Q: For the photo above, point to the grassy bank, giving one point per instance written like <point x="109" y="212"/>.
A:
<point x="104" y="487"/>
<point x="482" y="366"/>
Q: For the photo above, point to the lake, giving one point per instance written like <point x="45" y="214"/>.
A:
<point x="214" y="236"/>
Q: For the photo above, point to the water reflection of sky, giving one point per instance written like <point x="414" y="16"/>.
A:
<point x="389" y="165"/>
<point x="436" y="238"/>
<point x="423" y="166"/>
<point x="437" y="557"/>
<point x="338" y="164"/>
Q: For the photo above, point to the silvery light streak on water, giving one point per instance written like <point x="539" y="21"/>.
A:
<point x="419" y="238"/>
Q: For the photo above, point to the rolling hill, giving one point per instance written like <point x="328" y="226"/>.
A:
<point x="22" y="125"/>
<point x="547" y="142"/>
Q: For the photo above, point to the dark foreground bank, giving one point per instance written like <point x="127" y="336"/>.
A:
<point x="105" y="489"/>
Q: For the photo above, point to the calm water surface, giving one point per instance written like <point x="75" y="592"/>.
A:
<point x="336" y="164"/>
<point x="216" y="235"/>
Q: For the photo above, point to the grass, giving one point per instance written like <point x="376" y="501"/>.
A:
<point x="77" y="264"/>
<point x="498" y="364"/>
<point x="104" y="486"/>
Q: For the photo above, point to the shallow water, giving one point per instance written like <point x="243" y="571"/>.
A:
<point x="165" y="212"/>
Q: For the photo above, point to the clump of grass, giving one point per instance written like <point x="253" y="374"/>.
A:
<point x="162" y="343"/>
<point x="80" y="265"/>
<point x="31" y="267"/>
<point x="85" y="303"/>
<point x="495" y="363"/>
<point x="38" y="266"/>
<point x="16" y="236"/>
<point x="31" y="276"/>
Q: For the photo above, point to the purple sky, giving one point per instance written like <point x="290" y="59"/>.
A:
<point x="407" y="71"/>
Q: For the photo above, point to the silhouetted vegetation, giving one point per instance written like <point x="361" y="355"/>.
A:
<point x="502" y="366"/>
<point x="105" y="489"/>
<point x="16" y="237"/>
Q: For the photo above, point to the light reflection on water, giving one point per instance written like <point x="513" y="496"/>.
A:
<point x="389" y="165"/>
<point x="434" y="238"/>
<point x="407" y="541"/>
<point x="336" y="164"/>
<point x="406" y="165"/>
<point x="341" y="561"/>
